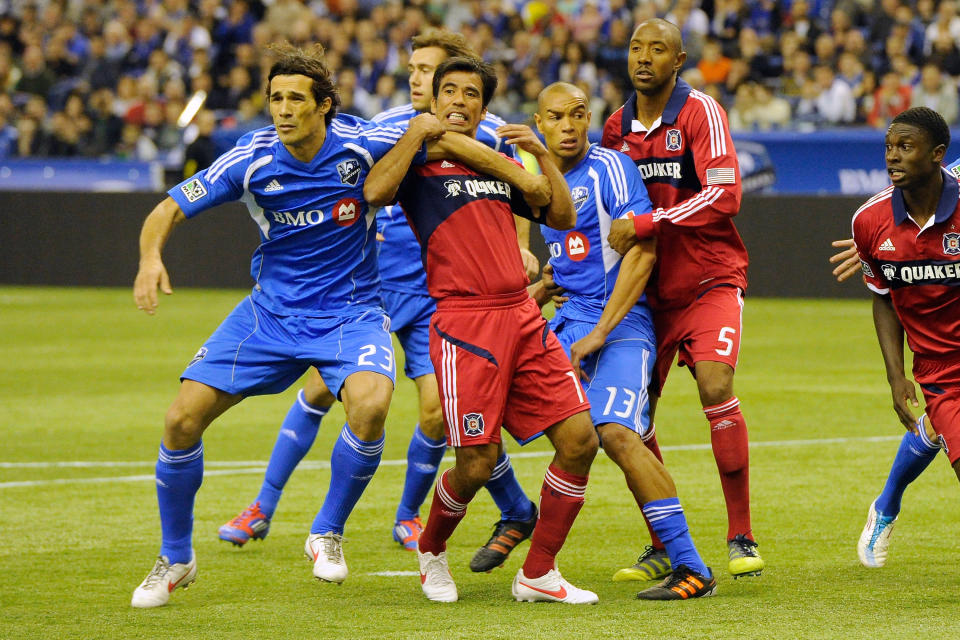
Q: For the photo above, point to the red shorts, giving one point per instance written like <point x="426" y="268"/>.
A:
<point x="940" y="381"/>
<point x="498" y="364"/>
<point x="707" y="330"/>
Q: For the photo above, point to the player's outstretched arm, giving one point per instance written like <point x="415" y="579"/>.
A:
<point x="483" y="159"/>
<point x="151" y="274"/>
<point x="848" y="259"/>
<point x="635" y="269"/>
<point x="560" y="213"/>
<point x="380" y="187"/>
<point x="890" y="336"/>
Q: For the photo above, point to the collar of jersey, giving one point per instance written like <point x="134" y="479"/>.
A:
<point x="669" y="116"/>
<point x="945" y="208"/>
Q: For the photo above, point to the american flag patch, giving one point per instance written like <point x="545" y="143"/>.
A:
<point x="721" y="175"/>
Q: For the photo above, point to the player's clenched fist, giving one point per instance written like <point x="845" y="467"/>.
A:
<point x="426" y="125"/>
<point x="622" y="235"/>
<point x="522" y="137"/>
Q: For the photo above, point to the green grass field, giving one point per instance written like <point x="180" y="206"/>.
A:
<point x="85" y="381"/>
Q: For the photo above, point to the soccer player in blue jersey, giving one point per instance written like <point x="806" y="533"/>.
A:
<point x="917" y="449"/>
<point x="409" y="306"/>
<point x="316" y="302"/>
<point x="606" y="326"/>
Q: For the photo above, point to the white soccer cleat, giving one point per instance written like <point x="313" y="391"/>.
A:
<point x="435" y="578"/>
<point x="875" y="538"/>
<point x="326" y="551"/>
<point x="550" y="587"/>
<point x="156" y="588"/>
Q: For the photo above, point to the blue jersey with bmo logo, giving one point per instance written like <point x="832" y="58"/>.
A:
<point x="605" y="186"/>
<point x="317" y="253"/>
<point x="400" y="270"/>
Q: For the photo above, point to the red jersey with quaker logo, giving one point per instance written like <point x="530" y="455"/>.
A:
<point x="464" y="223"/>
<point x="919" y="268"/>
<point x="689" y="166"/>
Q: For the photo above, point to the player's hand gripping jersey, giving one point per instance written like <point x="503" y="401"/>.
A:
<point x="317" y="250"/>
<point x="604" y="186"/>
<point x="689" y="165"/>
<point x="399" y="270"/>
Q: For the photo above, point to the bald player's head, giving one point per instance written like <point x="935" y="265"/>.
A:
<point x="670" y="32"/>
<point x="559" y="89"/>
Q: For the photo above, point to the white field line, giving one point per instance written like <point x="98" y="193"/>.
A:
<point x="244" y="467"/>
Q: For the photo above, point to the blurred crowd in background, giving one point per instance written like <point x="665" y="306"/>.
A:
<point x="110" y="78"/>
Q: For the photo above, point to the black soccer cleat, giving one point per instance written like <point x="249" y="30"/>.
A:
<point x="684" y="583"/>
<point x="507" y="534"/>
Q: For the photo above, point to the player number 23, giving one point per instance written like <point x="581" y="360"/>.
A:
<point x="369" y="350"/>
<point x="724" y="339"/>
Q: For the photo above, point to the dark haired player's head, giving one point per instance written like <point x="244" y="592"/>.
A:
<point x="655" y="56"/>
<point x="928" y="120"/>
<point x="294" y="61"/>
<point x="455" y="44"/>
<point x="486" y="73"/>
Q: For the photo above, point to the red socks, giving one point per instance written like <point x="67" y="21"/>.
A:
<point x="561" y="498"/>
<point x="446" y="512"/>
<point x="728" y="435"/>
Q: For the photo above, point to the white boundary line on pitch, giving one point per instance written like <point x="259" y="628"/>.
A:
<point x="244" y="467"/>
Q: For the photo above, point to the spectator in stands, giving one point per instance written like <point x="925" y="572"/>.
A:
<point x="945" y="53"/>
<point x="106" y="124"/>
<point x="934" y="91"/>
<point x="863" y="94"/>
<point x="765" y="110"/>
<point x="694" y="25"/>
<point x="834" y="102"/>
<point x="35" y="78"/>
<point x="135" y="144"/>
<point x="945" y="27"/>
<point x="576" y="68"/>
<point x="202" y="151"/>
<point x="714" y="65"/>
<point x="890" y="99"/>
<point x="8" y="132"/>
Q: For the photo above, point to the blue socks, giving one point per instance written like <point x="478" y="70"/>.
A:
<point x="668" y="522"/>
<point x="507" y="492"/>
<point x="423" y="458"/>
<point x="179" y="475"/>
<point x="297" y="433"/>
<point x="915" y="454"/>
<point x="352" y="465"/>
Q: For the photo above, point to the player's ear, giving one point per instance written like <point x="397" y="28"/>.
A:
<point x="589" y="115"/>
<point x="433" y="106"/>
<point x="536" y="120"/>
<point x="939" y="152"/>
<point x="325" y="105"/>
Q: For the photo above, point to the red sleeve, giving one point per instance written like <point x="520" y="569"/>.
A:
<point x="610" y="138"/>
<point x="708" y="133"/>
<point x="863" y="238"/>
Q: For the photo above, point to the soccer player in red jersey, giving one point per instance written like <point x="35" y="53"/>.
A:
<point x="497" y="362"/>
<point x="680" y="141"/>
<point x="908" y="240"/>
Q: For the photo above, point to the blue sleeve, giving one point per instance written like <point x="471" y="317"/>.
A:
<point x="626" y="193"/>
<point x="954" y="168"/>
<point x="221" y="182"/>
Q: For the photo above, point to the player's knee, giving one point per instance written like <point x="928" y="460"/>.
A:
<point x="618" y="441"/>
<point x="431" y="419"/>
<point x="474" y="470"/>
<point x="581" y="443"/>
<point x="716" y="388"/>
<point x="182" y="427"/>
<point x="316" y="393"/>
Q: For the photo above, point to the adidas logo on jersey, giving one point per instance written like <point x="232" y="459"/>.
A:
<point x="625" y="148"/>
<point x="887" y="246"/>
<point x="447" y="165"/>
<point x="273" y="186"/>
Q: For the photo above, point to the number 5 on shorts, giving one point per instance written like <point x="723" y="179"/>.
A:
<point x="724" y="338"/>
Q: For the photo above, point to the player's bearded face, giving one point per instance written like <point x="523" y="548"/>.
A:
<point x="911" y="158"/>
<point x="459" y="103"/>
<point x="563" y="119"/>
<point x="652" y="59"/>
<point x="296" y="114"/>
<point x="423" y="62"/>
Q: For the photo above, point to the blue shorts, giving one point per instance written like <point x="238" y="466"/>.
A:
<point x="410" y="319"/>
<point x="255" y="352"/>
<point x="619" y="373"/>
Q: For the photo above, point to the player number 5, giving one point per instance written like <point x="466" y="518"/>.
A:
<point x="723" y="339"/>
